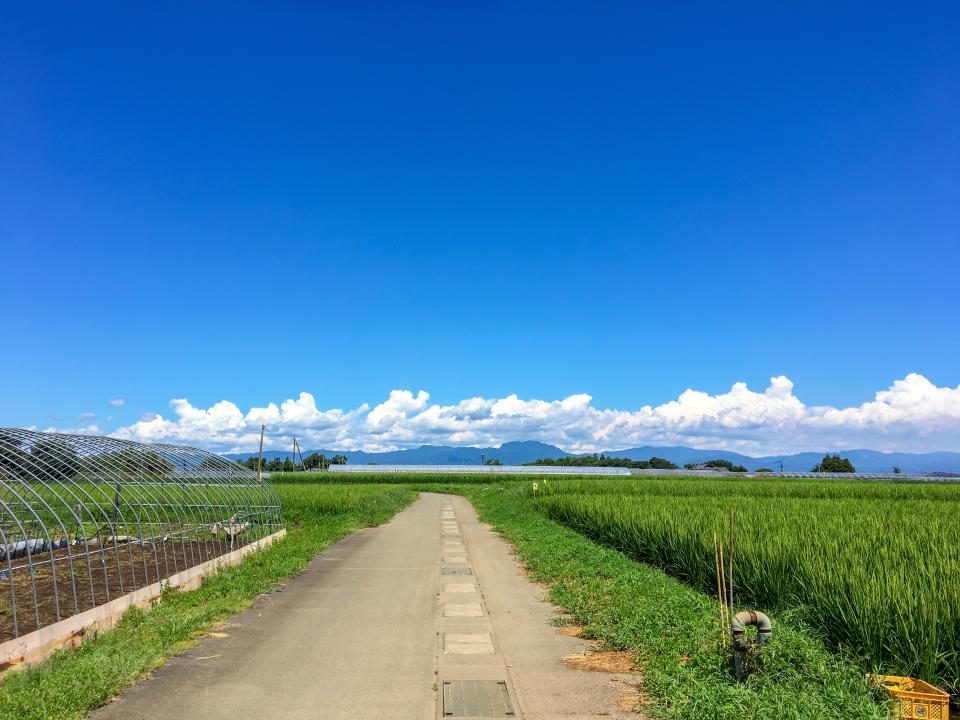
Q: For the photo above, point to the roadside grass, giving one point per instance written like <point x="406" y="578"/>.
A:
<point x="672" y="629"/>
<point x="71" y="683"/>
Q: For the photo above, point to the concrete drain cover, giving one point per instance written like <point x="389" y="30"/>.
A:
<point x="455" y="571"/>
<point x="476" y="699"/>
<point x="452" y="536"/>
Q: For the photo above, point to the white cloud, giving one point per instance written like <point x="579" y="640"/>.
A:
<point x="391" y="415"/>
<point x="90" y="429"/>
<point x="913" y="414"/>
<point x="86" y="417"/>
<point x="118" y="402"/>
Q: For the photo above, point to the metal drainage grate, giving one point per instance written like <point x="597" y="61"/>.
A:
<point x="456" y="571"/>
<point x="452" y="536"/>
<point x="476" y="699"/>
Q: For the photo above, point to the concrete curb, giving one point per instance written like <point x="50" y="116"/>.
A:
<point x="38" y="645"/>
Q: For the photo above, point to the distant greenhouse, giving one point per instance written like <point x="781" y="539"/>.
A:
<point x="490" y="469"/>
<point x="85" y="520"/>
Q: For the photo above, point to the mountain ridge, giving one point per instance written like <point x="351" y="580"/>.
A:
<point x="520" y="452"/>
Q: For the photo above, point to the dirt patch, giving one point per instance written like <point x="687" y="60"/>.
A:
<point x="570" y="630"/>
<point x="630" y="698"/>
<point x="611" y="661"/>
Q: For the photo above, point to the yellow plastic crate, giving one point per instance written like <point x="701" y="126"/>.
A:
<point x="916" y="699"/>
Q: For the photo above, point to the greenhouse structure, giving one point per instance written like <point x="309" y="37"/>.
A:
<point x="85" y="520"/>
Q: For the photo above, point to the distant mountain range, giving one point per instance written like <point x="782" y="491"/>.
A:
<point x="517" y="453"/>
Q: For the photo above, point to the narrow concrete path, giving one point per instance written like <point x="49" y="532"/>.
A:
<point x="427" y="616"/>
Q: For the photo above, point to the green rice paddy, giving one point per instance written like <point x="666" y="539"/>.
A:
<point x="872" y="567"/>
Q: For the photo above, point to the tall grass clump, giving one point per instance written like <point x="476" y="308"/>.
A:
<point x="304" y="503"/>
<point x="873" y="567"/>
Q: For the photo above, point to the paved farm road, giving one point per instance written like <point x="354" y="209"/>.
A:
<point x="390" y="623"/>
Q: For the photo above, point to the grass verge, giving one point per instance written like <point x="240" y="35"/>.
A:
<point x="673" y="630"/>
<point x="71" y="683"/>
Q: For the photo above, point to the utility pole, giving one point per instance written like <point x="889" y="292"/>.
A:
<point x="260" y="461"/>
<point x="297" y="448"/>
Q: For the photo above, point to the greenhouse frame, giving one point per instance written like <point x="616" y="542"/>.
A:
<point x="88" y="519"/>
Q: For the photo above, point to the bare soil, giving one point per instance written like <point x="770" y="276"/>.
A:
<point x="111" y="572"/>
<point x="630" y="698"/>
<point x="612" y="661"/>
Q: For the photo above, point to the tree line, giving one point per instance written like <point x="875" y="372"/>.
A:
<point x="601" y="460"/>
<point x="318" y="461"/>
<point x="50" y="460"/>
<point x="830" y="463"/>
<point x="313" y="461"/>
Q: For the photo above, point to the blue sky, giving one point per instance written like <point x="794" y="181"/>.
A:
<point x="245" y="203"/>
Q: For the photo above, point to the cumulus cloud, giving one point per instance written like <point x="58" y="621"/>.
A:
<point x="90" y="429"/>
<point x="912" y="414"/>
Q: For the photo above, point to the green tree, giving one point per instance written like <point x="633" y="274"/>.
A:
<point x="12" y="456"/>
<point x="139" y="463"/>
<point x="834" y="464"/>
<point x="316" y="461"/>
<point x="661" y="464"/>
<point x="54" y="459"/>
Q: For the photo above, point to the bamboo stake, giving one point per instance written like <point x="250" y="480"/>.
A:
<point x="732" y="511"/>
<point x="716" y="571"/>
<point x="723" y="585"/>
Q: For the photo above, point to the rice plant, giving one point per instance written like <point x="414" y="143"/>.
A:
<point x="874" y="567"/>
